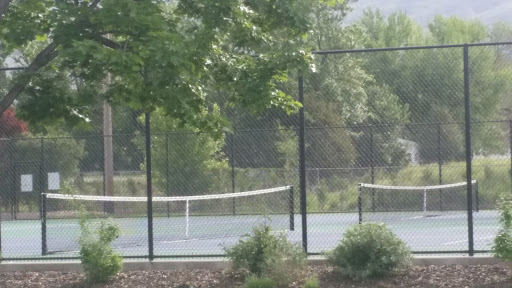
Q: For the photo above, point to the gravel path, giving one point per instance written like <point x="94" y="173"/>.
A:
<point x="491" y="276"/>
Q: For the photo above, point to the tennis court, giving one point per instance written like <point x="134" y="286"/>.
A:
<point x="209" y="234"/>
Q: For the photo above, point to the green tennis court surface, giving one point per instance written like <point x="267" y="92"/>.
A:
<point x="208" y="235"/>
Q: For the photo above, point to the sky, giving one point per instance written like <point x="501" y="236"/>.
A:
<point x="487" y="11"/>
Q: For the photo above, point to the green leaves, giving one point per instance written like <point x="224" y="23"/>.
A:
<point x="502" y="247"/>
<point x="166" y="55"/>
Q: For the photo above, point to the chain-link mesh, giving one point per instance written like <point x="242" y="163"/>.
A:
<point x="394" y="118"/>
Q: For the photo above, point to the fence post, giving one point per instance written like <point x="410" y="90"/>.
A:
<point x="469" y="152"/>
<point x="372" y="165"/>
<point x="291" y="199"/>
<point x="440" y="163"/>
<point x="149" y="186"/>
<point x="302" y="167"/>
<point x="360" y="203"/>
<point x="510" y="135"/>
<point x="41" y="178"/>
<point x="232" y="163"/>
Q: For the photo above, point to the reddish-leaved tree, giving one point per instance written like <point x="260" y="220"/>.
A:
<point x="10" y="126"/>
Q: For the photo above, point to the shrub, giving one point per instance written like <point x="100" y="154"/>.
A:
<point x="502" y="247"/>
<point x="257" y="282"/>
<point x="266" y="254"/>
<point x="368" y="251"/>
<point x="98" y="259"/>
<point x="311" y="283"/>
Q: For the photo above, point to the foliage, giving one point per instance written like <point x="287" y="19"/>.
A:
<point x="259" y="282"/>
<point x="10" y="126"/>
<point x="429" y="81"/>
<point x="269" y="255"/>
<point x="98" y="259"/>
<point x="185" y="161"/>
<point x="311" y="283"/>
<point x="368" y="251"/>
<point x="502" y="247"/>
<point x="158" y="54"/>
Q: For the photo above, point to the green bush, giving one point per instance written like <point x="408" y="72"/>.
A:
<point x="259" y="282"/>
<point x="369" y="251"/>
<point x="266" y="254"/>
<point x="98" y="259"/>
<point x="502" y="247"/>
<point x="311" y="283"/>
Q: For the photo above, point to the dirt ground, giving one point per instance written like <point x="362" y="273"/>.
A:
<point x="483" y="276"/>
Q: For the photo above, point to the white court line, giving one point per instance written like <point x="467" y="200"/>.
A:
<point x="463" y="241"/>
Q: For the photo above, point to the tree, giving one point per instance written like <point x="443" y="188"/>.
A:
<point x="430" y="81"/>
<point x="159" y="53"/>
<point x="185" y="160"/>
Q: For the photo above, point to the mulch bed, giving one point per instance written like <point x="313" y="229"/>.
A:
<point x="482" y="276"/>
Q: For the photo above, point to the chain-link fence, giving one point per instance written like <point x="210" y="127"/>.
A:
<point x="386" y="135"/>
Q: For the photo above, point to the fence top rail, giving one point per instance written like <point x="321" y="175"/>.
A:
<point x="434" y="187"/>
<point x="348" y="51"/>
<point x="165" y="199"/>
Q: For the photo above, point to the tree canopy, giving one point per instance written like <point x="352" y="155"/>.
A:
<point x="156" y="54"/>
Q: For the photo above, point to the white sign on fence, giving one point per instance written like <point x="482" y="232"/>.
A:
<point x="27" y="183"/>
<point x="54" y="181"/>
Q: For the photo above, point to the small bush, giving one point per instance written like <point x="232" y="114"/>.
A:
<point x="257" y="282"/>
<point x="98" y="259"/>
<point x="502" y="247"/>
<point x="368" y="251"/>
<point x="269" y="255"/>
<point x="311" y="283"/>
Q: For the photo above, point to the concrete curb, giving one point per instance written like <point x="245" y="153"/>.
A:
<point x="74" y="266"/>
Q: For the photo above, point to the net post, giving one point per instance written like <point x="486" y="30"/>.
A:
<point x="360" y="203"/>
<point x="477" y="199"/>
<point x="44" y="246"/>
<point x="292" y="208"/>
<point x="467" y="122"/>
<point x="425" y="201"/>
<point x="186" y="218"/>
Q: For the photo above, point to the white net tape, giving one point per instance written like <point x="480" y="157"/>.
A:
<point x="166" y="199"/>
<point x="422" y="188"/>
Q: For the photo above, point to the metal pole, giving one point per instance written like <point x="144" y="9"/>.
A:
<point x="510" y="135"/>
<point x="167" y="192"/>
<point x="44" y="246"/>
<point x="360" y="203"/>
<point x="291" y="201"/>
<point x="302" y="166"/>
<point x="440" y="163"/>
<point x="469" y="152"/>
<point x="232" y="163"/>
<point x="149" y="187"/>
<point x="372" y="164"/>
<point x="41" y="178"/>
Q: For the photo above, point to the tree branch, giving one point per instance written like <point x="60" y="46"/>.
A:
<point x="43" y="58"/>
<point x="94" y="4"/>
<point x="3" y="7"/>
<point x="110" y="43"/>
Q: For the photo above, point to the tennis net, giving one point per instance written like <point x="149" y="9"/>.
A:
<point x="384" y="202"/>
<point x="175" y="219"/>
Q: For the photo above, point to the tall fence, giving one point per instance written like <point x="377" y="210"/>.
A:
<point x="402" y="119"/>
